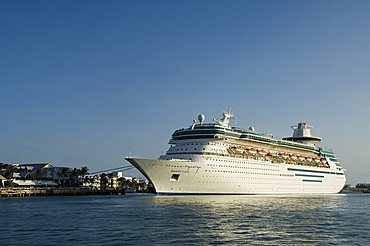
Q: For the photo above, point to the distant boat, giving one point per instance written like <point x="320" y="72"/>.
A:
<point x="214" y="158"/>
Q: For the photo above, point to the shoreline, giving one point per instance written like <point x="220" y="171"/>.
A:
<point x="361" y="190"/>
<point x="56" y="192"/>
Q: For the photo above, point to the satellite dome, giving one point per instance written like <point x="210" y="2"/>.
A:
<point x="251" y="129"/>
<point x="201" y="118"/>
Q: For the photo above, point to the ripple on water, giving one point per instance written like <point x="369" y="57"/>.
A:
<point x="187" y="220"/>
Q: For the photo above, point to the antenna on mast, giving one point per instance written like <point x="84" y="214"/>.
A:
<point x="227" y="116"/>
<point x="129" y="151"/>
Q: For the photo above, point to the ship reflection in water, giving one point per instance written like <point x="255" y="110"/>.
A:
<point x="142" y="219"/>
<point x="262" y="219"/>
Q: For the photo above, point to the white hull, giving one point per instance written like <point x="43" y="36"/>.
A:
<point x="227" y="175"/>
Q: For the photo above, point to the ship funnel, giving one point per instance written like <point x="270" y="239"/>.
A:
<point x="302" y="130"/>
<point x="302" y="134"/>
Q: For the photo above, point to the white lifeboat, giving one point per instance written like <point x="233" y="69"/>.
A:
<point x="252" y="150"/>
<point x="293" y="156"/>
<point x="309" y="158"/>
<point x="262" y="152"/>
<point x="285" y="155"/>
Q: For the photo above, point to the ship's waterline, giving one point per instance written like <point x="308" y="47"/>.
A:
<point x="218" y="159"/>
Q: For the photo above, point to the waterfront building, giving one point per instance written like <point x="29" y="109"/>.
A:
<point x="41" y="171"/>
<point x="42" y="174"/>
<point x="2" y="180"/>
<point x="114" y="181"/>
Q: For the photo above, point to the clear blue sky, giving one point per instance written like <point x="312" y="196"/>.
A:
<point x="82" y="81"/>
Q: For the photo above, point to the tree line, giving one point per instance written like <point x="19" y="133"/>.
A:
<point x="363" y="186"/>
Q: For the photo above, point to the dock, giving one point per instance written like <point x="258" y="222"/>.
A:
<point x="56" y="192"/>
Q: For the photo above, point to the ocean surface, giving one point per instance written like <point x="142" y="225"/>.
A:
<point x="145" y="219"/>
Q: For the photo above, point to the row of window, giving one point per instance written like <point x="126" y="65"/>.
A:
<point x="243" y="167"/>
<point x="192" y="144"/>
<point x="219" y="150"/>
<point x="242" y="162"/>
<point x="213" y="165"/>
<point x="220" y="171"/>
<point x="227" y="182"/>
<point x="186" y="149"/>
<point x="299" y="185"/>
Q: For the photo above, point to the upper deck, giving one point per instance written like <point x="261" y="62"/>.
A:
<point x="212" y="131"/>
<point x="222" y="129"/>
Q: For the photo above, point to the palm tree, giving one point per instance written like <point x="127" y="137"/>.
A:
<point x="130" y="184"/>
<point x="2" y="166"/>
<point x="121" y="182"/>
<point x="103" y="181"/>
<point x="92" y="181"/>
<point x="82" y="172"/>
<point x="86" y="180"/>
<point x="75" y="177"/>
<point x="110" y="179"/>
<point x="63" y="174"/>
<point x="142" y="186"/>
<point x="9" y="172"/>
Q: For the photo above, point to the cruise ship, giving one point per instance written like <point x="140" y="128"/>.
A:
<point x="215" y="158"/>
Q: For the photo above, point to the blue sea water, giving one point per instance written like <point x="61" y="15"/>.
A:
<point x="143" y="219"/>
